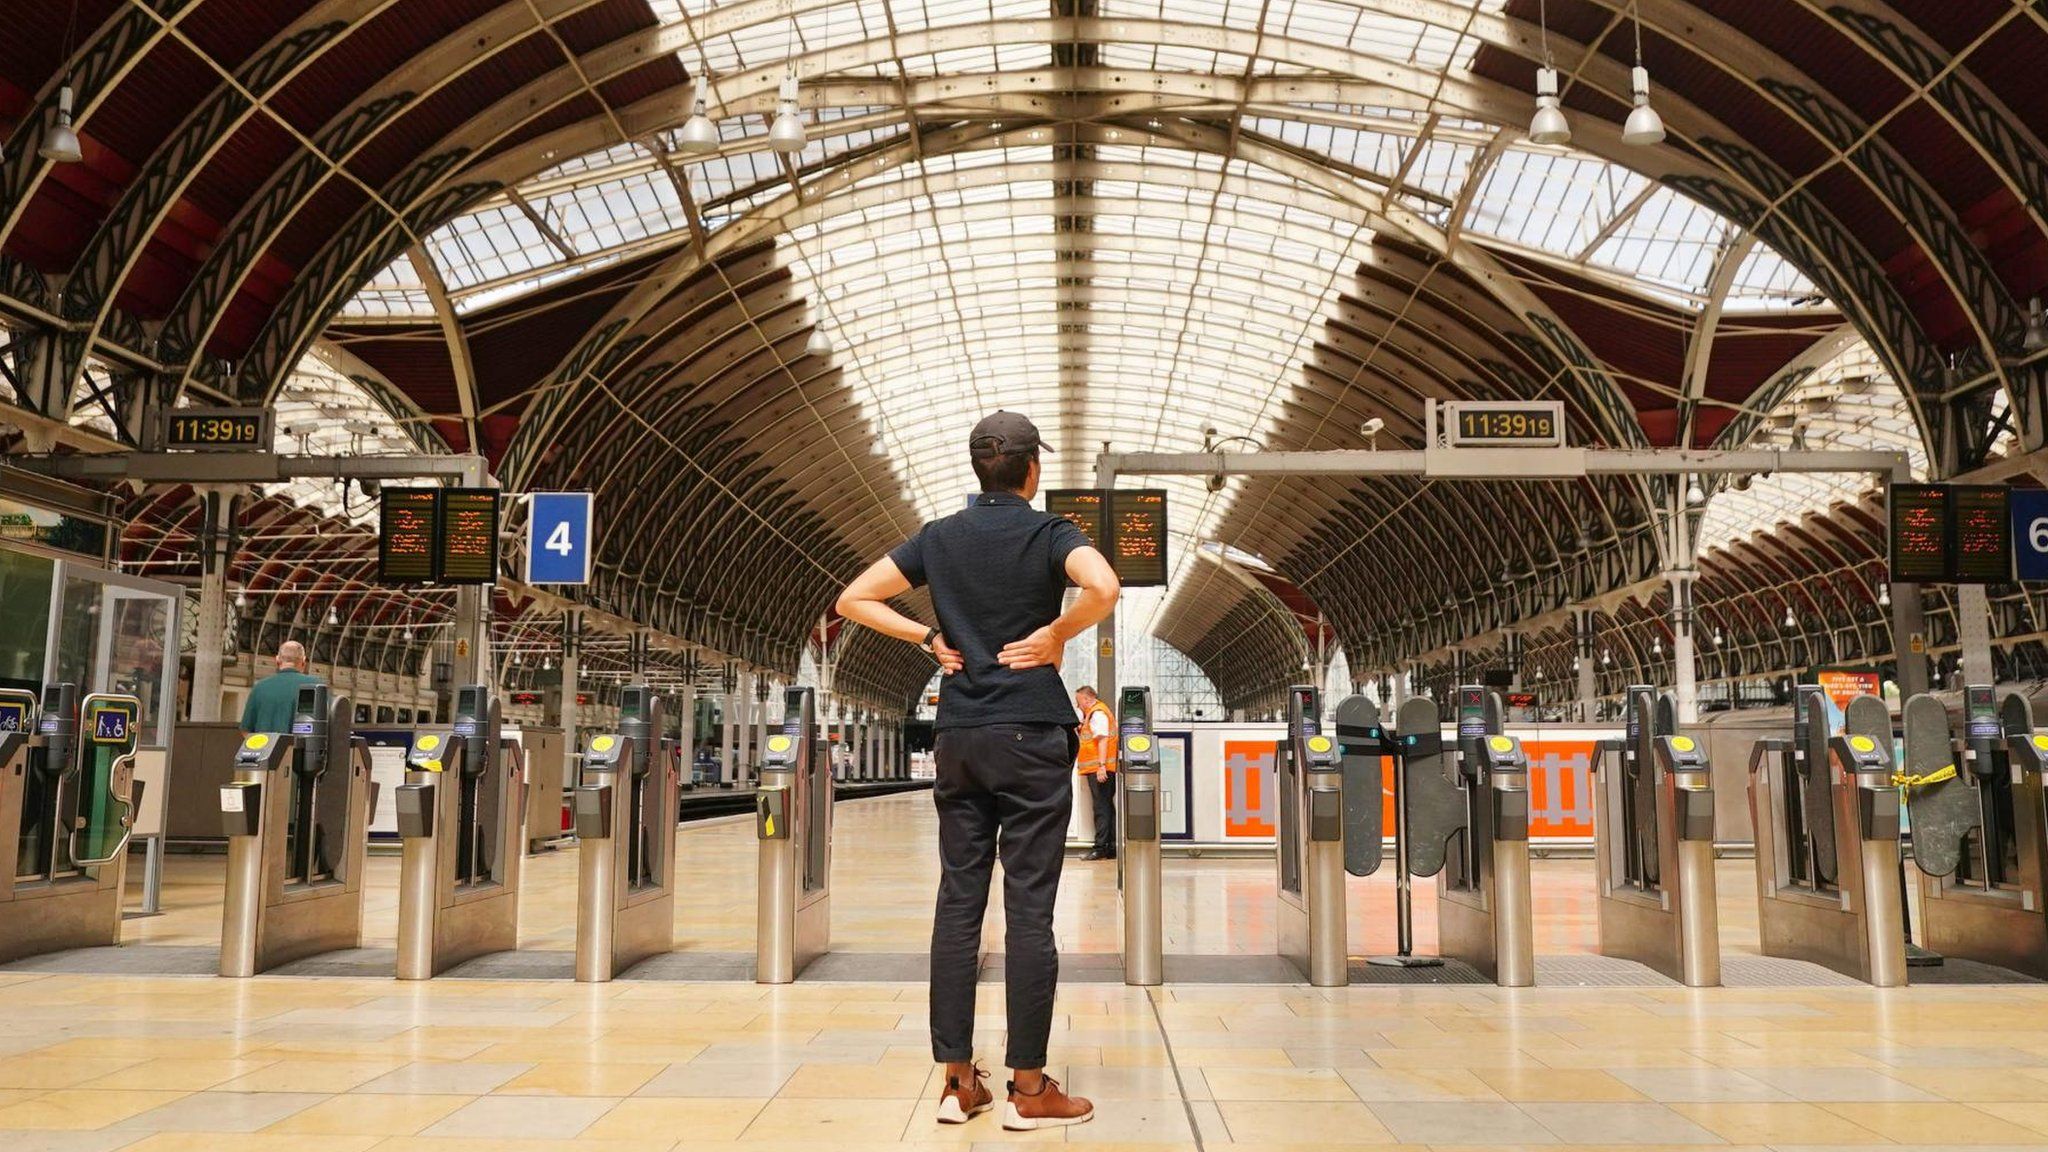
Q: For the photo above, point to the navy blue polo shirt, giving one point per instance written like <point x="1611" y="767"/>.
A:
<point x="997" y="571"/>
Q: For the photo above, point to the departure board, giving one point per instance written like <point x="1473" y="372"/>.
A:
<point x="469" y="536"/>
<point x="406" y="531"/>
<point x="1081" y="505"/>
<point x="1981" y="519"/>
<point x="1137" y="536"/>
<point x="1919" y="533"/>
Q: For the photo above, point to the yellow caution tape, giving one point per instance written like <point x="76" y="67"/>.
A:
<point x="1906" y="780"/>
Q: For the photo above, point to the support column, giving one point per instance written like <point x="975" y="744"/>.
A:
<point x="764" y="692"/>
<point x="1973" y="630"/>
<point x="216" y="552"/>
<point x="1589" y="676"/>
<point x="728" y="727"/>
<point x="572" y="680"/>
<point x="1909" y="641"/>
<point x="470" y="663"/>
<point x="1684" y="668"/>
<point x="1105" y="659"/>
<point x="686" y="731"/>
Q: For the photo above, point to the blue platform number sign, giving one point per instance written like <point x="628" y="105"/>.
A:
<point x="2030" y="533"/>
<point x="558" y="538"/>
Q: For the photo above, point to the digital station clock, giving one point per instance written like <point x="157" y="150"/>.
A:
<point x="218" y="429"/>
<point x="1504" y="423"/>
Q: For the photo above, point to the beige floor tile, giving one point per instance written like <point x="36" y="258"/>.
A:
<point x="829" y="1121"/>
<point x="2032" y="1115"/>
<point x="522" y="1117"/>
<point x="179" y="1075"/>
<point x="859" y="1082"/>
<point x="249" y="1142"/>
<point x="82" y="1108"/>
<point x="300" y="1075"/>
<point x="370" y="1114"/>
<point x="1273" y="1122"/>
<point x="649" y="1118"/>
<point x="580" y="1079"/>
<point x="44" y="1073"/>
<point x="1277" y="1084"/>
<point x="1921" y="1123"/>
<point x="1200" y="1057"/>
<point x="1776" y="1123"/>
<point x="1551" y="1084"/>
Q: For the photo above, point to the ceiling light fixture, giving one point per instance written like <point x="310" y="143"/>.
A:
<point x="1549" y="125"/>
<point x="1791" y="621"/>
<point x="699" y="134"/>
<point x="1643" y="127"/>
<point x="787" y="135"/>
<point x="2036" y="338"/>
<point x="1694" y="494"/>
<point x="819" y="344"/>
<point x="1884" y="595"/>
<point x="333" y="617"/>
<point x="60" y="141"/>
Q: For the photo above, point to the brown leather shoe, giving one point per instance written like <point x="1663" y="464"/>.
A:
<point x="960" y="1103"/>
<point x="1049" y="1107"/>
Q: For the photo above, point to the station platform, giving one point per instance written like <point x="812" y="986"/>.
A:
<point x="115" y="1048"/>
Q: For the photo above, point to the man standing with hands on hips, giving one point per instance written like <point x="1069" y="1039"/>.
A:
<point x="1097" y="765"/>
<point x="998" y="572"/>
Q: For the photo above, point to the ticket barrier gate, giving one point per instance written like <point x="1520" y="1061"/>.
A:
<point x="1826" y="814"/>
<point x="1137" y="774"/>
<point x="1977" y="811"/>
<point x="1653" y="843"/>
<point x="626" y="842"/>
<point x="1311" y="910"/>
<point x="793" y="824"/>
<point x="67" y="801"/>
<point x="297" y="817"/>
<point x="461" y="828"/>
<point x="1468" y="817"/>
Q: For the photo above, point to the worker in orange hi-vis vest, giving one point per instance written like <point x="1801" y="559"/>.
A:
<point x="1097" y="762"/>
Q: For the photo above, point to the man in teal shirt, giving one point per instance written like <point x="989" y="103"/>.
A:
<point x="271" y="701"/>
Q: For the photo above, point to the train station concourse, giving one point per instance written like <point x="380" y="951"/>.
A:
<point x="677" y="575"/>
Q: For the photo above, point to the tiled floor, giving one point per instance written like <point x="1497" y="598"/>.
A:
<point x="159" y="1064"/>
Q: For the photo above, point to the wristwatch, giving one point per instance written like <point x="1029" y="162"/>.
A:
<point x="930" y="635"/>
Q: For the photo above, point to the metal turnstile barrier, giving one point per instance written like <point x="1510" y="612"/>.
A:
<point x="625" y="812"/>
<point x="1976" y="810"/>
<point x="1470" y="829"/>
<point x="297" y="817"/>
<point x="68" y="797"/>
<point x="1826" y="814"/>
<point x="793" y="824"/>
<point x="461" y="827"/>
<point x="1653" y="837"/>
<point x="1310" y="846"/>
<point x="1138" y="810"/>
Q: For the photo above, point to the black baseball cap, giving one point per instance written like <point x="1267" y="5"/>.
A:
<point x="1004" y="434"/>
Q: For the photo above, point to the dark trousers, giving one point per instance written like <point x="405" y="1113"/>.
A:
<point x="1007" y="786"/>
<point x="1103" y="792"/>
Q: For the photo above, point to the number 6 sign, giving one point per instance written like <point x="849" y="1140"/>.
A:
<point x="558" y="545"/>
<point x="2030" y="533"/>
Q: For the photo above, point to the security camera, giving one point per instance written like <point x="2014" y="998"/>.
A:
<point x="1216" y="483"/>
<point x="1372" y="427"/>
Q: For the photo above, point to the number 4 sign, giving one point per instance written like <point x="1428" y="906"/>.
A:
<point x="2030" y="533"/>
<point x="558" y="526"/>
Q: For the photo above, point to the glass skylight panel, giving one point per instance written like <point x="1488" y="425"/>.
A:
<point x="492" y="243"/>
<point x="1766" y="278"/>
<point x="1670" y="240"/>
<point x="394" y="293"/>
<point x="1442" y="166"/>
<point x="1549" y="201"/>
